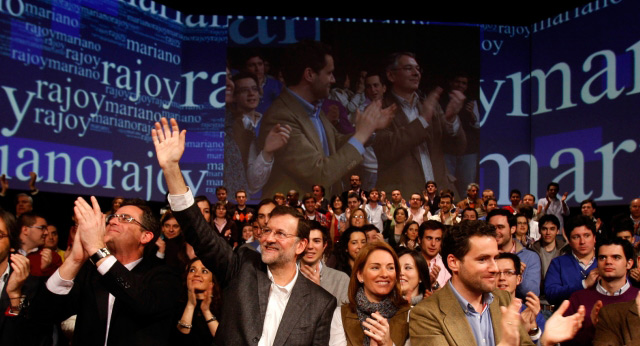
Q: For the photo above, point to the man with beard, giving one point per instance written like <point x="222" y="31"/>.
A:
<point x="316" y="152"/>
<point x="266" y="300"/>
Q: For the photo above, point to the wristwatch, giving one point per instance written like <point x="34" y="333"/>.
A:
<point x="100" y="254"/>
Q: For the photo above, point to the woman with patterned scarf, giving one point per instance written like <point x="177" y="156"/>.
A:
<point x="376" y="313"/>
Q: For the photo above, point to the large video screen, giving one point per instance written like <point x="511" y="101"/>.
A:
<point x="84" y="82"/>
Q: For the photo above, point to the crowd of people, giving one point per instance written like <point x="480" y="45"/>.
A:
<point x="362" y="267"/>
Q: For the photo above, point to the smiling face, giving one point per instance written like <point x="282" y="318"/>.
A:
<point x="246" y="95"/>
<point x="515" y="199"/>
<point x="357" y="218"/>
<point x="476" y="271"/>
<point x="322" y="80"/>
<point x="170" y="228"/>
<point x="503" y="230"/>
<point x="529" y="200"/>
<point x="34" y="235"/>
<point x="51" y="241"/>
<point x="549" y="231"/>
<point x="122" y="234"/>
<point x="378" y="275"/>
<point x="315" y="248"/>
<point x="508" y="280"/>
<point x="472" y="193"/>
<point x="255" y="65"/>
<point x="409" y="276"/>
<point x="405" y="76"/>
<point x="280" y="252"/>
<point x="587" y="209"/>
<point x="199" y="276"/>
<point x="357" y="241"/>
<point x="373" y="88"/>
<point x="522" y="226"/>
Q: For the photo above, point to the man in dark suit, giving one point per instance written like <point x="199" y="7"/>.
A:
<point x="120" y="296"/>
<point x="315" y="153"/>
<point x="267" y="301"/>
<point x="409" y="150"/>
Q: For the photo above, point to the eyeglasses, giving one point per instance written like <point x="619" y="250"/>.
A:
<point x="279" y="235"/>
<point x="125" y="218"/>
<point x="506" y="273"/>
<point x="358" y="216"/>
<point x="409" y="68"/>
<point x="42" y="228"/>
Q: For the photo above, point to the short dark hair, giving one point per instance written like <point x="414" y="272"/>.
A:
<point x="370" y="227"/>
<point x="549" y="218"/>
<point x="307" y="196"/>
<point x="430" y="225"/>
<point x="201" y="198"/>
<point x="301" y="55"/>
<point x="579" y="221"/>
<point x="303" y="225"/>
<point x="590" y="201"/>
<point x="421" y="266"/>
<point x="516" y="191"/>
<point x="553" y="184"/>
<point x="239" y="191"/>
<point x="321" y="188"/>
<point x="245" y="75"/>
<point x="470" y="209"/>
<point x="221" y="188"/>
<point x="528" y="194"/>
<point x="503" y="212"/>
<point x="486" y="203"/>
<point x="513" y="257"/>
<point x="11" y="224"/>
<point x="354" y="195"/>
<point x="429" y="182"/>
<point x="395" y="212"/>
<point x="28" y="219"/>
<point x="627" y="248"/>
<point x="326" y="236"/>
<point x="456" y="240"/>
<point x="527" y="212"/>
<point x="149" y="220"/>
<point x="419" y="194"/>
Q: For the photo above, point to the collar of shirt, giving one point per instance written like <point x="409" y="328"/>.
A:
<point x="312" y="110"/>
<point x="133" y="264"/>
<point x="487" y="299"/>
<point x="25" y="253"/>
<point x="603" y="291"/>
<point x="248" y="123"/>
<point x="283" y="291"/>
<point x="583" y="265"/>
<point x="413" y="103"/>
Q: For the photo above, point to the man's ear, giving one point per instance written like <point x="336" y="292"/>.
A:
<point x="301" y="246"/>
<point x="453" y="263"/>
<point x="308" y="74"/>
<point x="146" y="237"/>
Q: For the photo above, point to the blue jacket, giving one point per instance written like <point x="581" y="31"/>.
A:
<point x="532" y="275"/>
<point x="564" y="277"/>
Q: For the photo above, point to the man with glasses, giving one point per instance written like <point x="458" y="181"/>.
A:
<point x="121" y="295"/>
<point x="413" y="139"/>
<point x="33" y="232"/>
<point x="267" y="301"/>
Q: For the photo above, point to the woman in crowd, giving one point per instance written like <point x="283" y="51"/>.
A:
<point x="351" y="242"/>
<point x="376" y="311"/>
<point x="414" y="275"/>
<point x="358" y="218"/>
<point x="225" y="226"/>
<point x="198" y="324"/>
<point x="338" y="217"/>
<point x="409" y="237"/>
<point x="205" y="207"/>
<point x="393" y="233"/>
<point x="171" y="245"/>
<point x="522" y="231"/>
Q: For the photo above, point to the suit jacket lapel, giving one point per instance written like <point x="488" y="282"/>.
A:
<point x="102" y="301"/>
<point x="264" y="286"/>
<point x="496" y="319"/>
<point x="328" y="127"/>
<point x="306" y="125"/>
<point x="295" y="308"/>
<point x="455" y="320"/>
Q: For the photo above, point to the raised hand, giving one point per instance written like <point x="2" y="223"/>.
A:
<point x="206" y="302"/>
<point x="33" y="177"/>
<point x="277" y="138"/>
<point x="595" y="311"/>
<point x="20" y="272"/>
<point x="91" y="224"/>
<point x="559" y="328"/>
<point x="430" y="103"/>
<point x="377" y="329"/>
<point x="511" y="323"/>
<point x="169" y="142"/>
<point x="46" y="258"/>
<point x="4" y="183"/>
<point x="456" y="101"/>
<point x="529" y="314"/>
<point x="312" y="273"/>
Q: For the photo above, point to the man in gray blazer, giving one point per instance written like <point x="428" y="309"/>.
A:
<point x="267" y="301"/>
<point x="313" y="267"/>
<point x="315" y="153"/>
